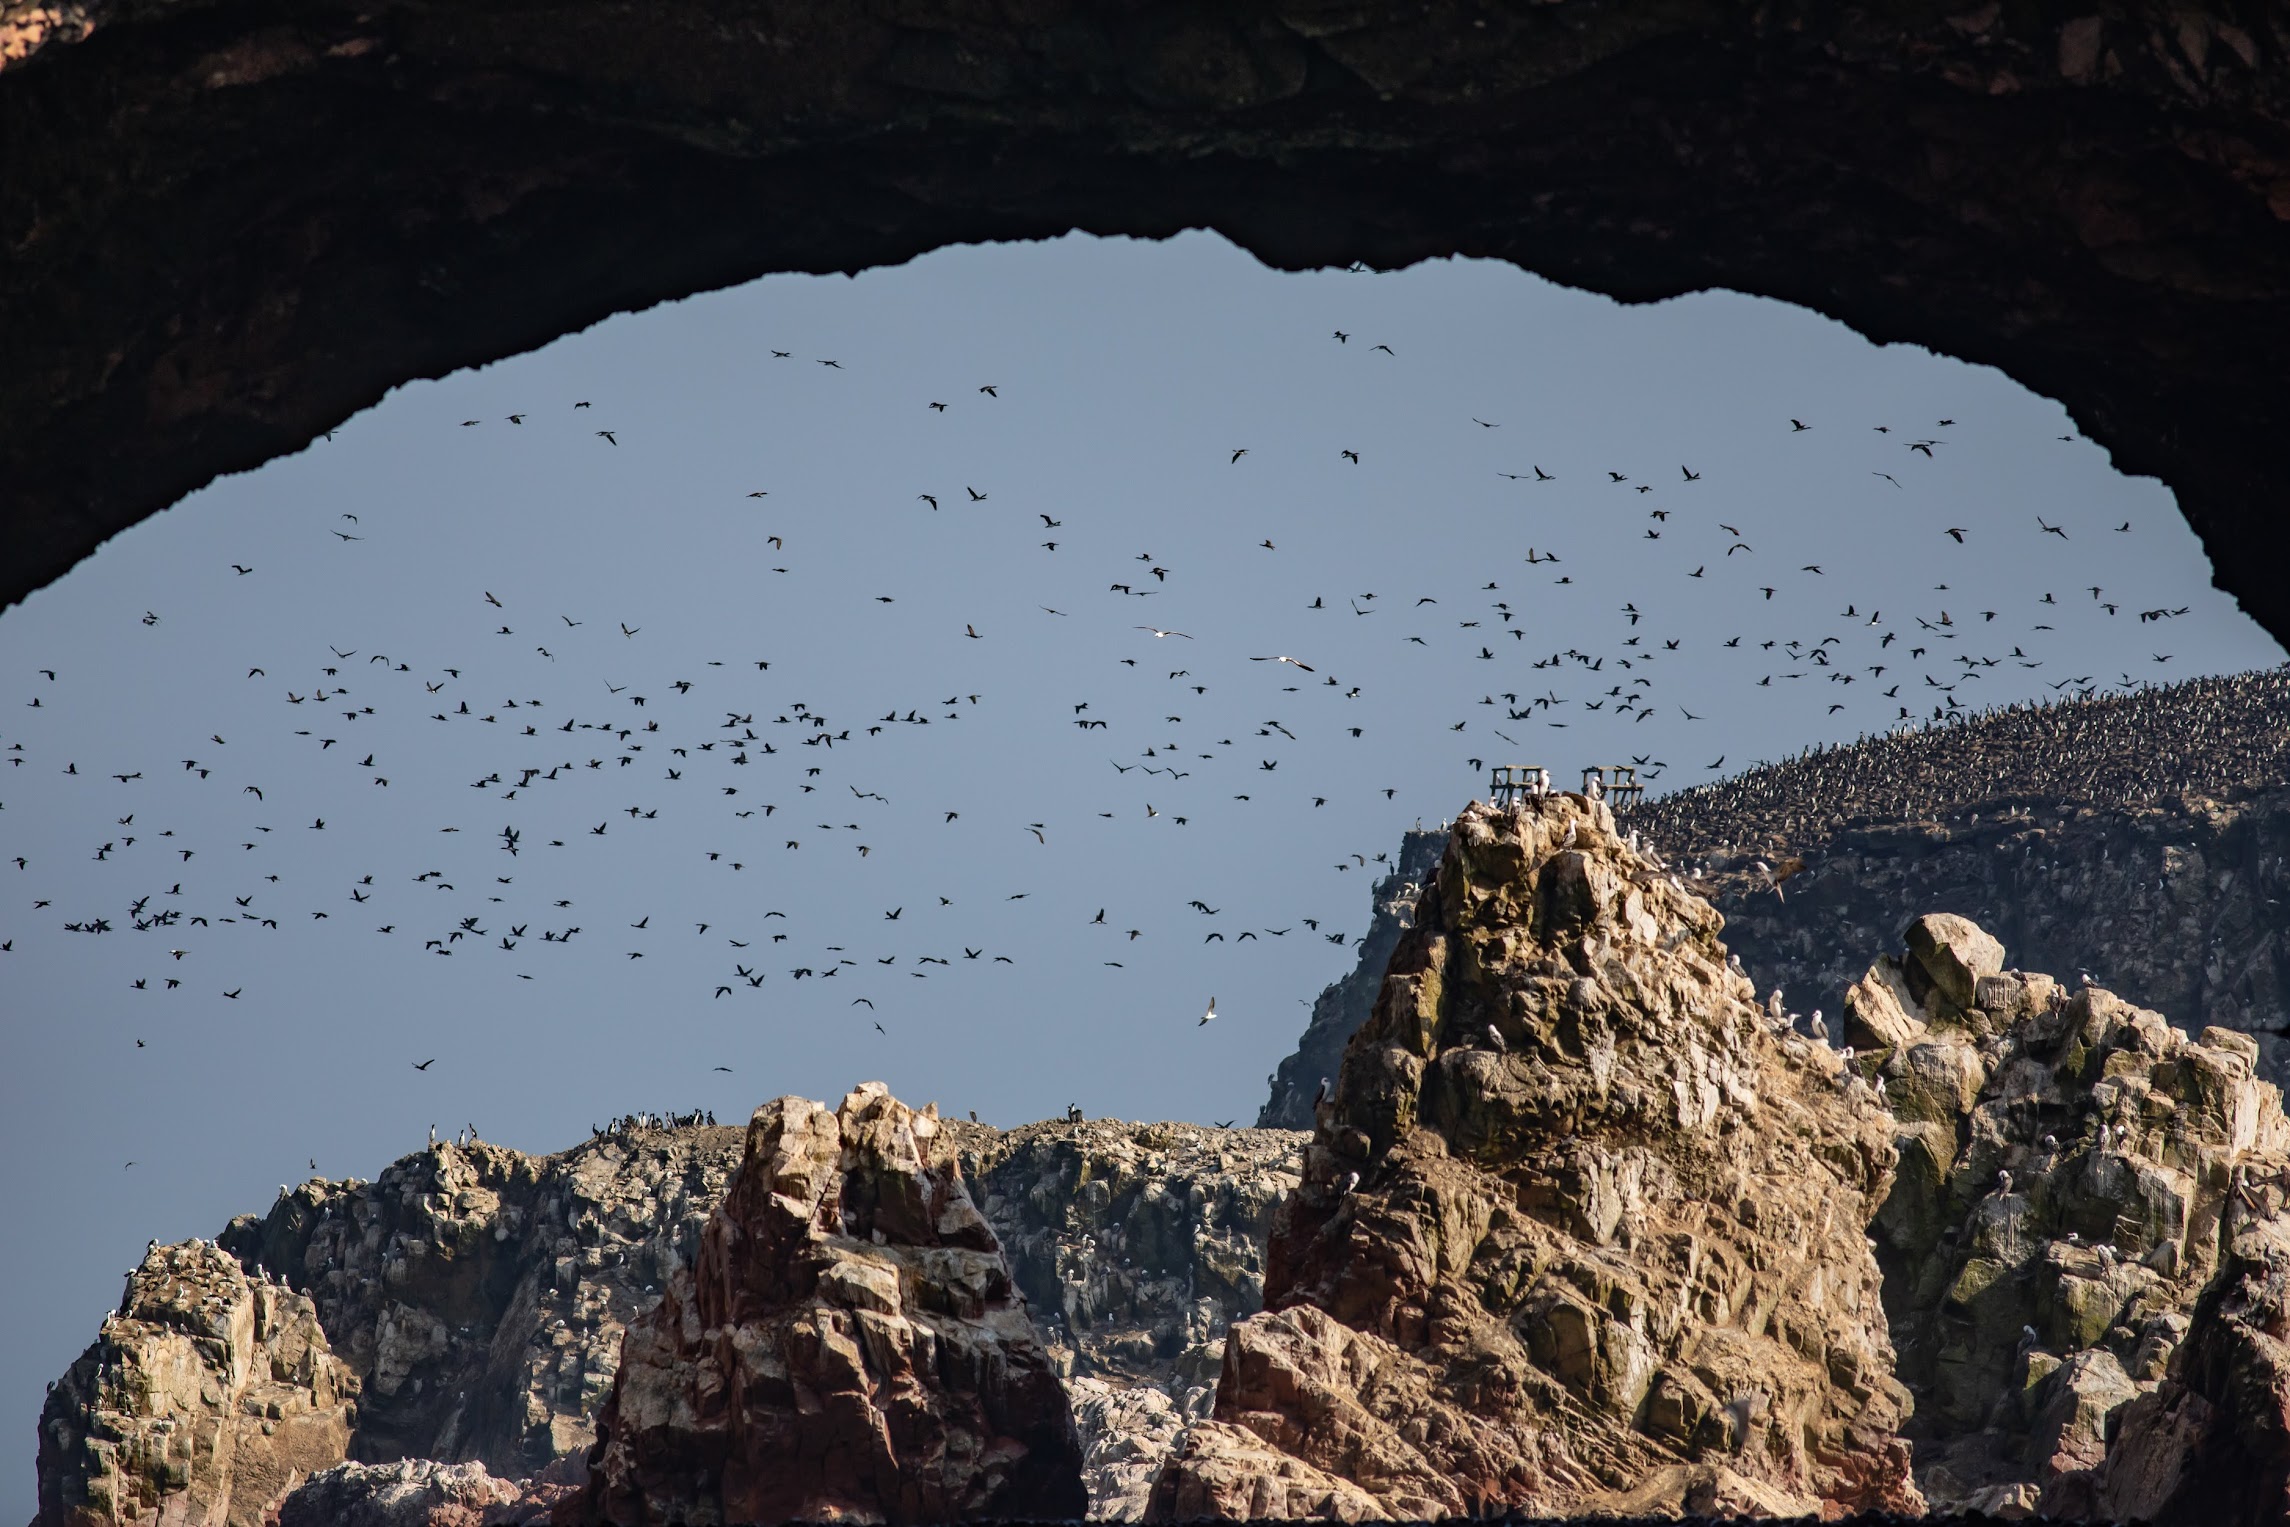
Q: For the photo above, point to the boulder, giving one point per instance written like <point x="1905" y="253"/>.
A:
<point x="1577" y="1214"/>
<point x="1951" y="954"/>
<point x="204" y="1399"/>
<point x="848" y="1347"/>
<point x="1879" y="1012"/>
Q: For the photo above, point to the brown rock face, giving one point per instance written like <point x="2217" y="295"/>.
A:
<point x="849" y="1347"/>
<point x="2212" y="1444"/>
<point x="229" y="226"/>
<point x="203" y="1400"/>
<point x="1578" y="1217"/>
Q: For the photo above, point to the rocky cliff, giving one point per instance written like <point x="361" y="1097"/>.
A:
<point x="2074" y="1172"/>
<point x="203" y="1399"/>
<point x="2143" y="839"/>
<point x="1581" y="1226"/>
<point x="475" y="1299"/>
<point x="1547" y="1252"/>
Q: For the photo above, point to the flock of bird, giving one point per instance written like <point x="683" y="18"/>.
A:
<point x="611" y="744"/>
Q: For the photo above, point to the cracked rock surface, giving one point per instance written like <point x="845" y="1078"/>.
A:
<point x="2074" y="1175"/>
<point x="1580" y="1219"/>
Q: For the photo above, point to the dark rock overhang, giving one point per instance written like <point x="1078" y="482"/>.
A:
<point x="230" y="224"/>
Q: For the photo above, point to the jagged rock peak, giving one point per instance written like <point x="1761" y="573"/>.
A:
<point x="848" y="1347"/>
<point x="204" y="1398"/>
<point x="1582" y="1227"/>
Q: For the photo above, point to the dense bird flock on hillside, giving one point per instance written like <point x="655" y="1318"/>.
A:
<point x="2215" y="737"/>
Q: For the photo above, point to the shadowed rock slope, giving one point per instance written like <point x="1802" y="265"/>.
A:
<point x="1581" y="1228"/>
<point x="1344" y="1005"/>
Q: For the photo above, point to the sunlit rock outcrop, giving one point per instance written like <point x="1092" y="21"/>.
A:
<point x="204" y="1398"/>
<point x="1582" y="1226"/>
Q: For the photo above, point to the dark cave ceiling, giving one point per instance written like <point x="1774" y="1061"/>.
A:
<point x="230" y="224"/>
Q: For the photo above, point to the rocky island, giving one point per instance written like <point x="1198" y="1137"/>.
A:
<point x="1585" y="1225"/>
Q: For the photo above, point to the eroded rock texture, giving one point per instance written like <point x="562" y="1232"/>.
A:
<point x="2074" y="1172"/>
<point x="205" y="1398"/>
<point x="848" y="1347"/>
<point x="230" y="225"/>
<point x="2211" y="1444"/>
<point x="1136" y="1246"/>
<point x="1580" y="1219"/>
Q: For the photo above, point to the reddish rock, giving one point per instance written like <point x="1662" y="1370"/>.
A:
<point x="849" y="1347"/>
<point x="416" y="1493"/>
<point x="2211" y="1446"/>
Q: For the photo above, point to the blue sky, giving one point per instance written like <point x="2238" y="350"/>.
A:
<point x="1125" y="375"/>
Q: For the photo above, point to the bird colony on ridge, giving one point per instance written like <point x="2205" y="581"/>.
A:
<point x="2216" y="736"/>
<point x="573" y="727"/>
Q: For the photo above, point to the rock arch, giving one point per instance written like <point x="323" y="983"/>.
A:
<point x="229" y="224"/>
